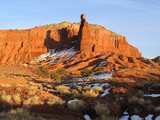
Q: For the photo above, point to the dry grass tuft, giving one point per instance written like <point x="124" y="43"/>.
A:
<point x="63" y="90"/>
<point x="90" y="94"/>
<point x="98" y="89"/>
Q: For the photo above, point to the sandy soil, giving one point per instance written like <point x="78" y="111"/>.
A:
<point x="14" y="75"/>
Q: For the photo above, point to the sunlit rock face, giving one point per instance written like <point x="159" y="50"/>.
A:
<point x="22" y="46"/>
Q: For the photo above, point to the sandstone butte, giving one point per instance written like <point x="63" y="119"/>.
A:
<point x="93" y="43"/>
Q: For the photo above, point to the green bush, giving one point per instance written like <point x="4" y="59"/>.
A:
<point x="55" y="76"/>
<point x="61" y="71"/>
<point x="155" y="86"/>
<point x="99" y="69"/>
<point x="101" y="109"/>
<point x="157" y="109"/>
<point x="143" y="85"/>
<point x="124" y="67"/>
<point x="86" y="72"/>
<point x="103" y="112"/>
<point x="77" y="106"/>
<point x="133" y="100"/>
<point x="42" y="71"/>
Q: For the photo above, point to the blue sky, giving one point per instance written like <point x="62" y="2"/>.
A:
<point x="138" y="20"/>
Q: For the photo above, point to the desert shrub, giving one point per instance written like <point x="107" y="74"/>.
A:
<point x="10" y="99"/>
<point x="31" y="92"/>
<point x="80" y="80"/>
<point x="155" y="86"/>
<point x="27" y="102"/>
<point x="16" y="98"/>
<point x="18" y="89"/>
<point x="49" y="86"/>
<point x="104" y="117"/>
<point x="141" y="101"/>
<point x="42" y="71"/>
<point x="157" y="109"/>
<point x="77" y="106"/>
<point x="99" y="69"/>
<point x="139" y="93"/>
<point x="142" y="85"/>
<point x="19" y="114"/>
<point x="101" y="109"/>
<point x="103" y="112"/>
<point x="36" y="101"/>
<point x="55" y="76"/>
<point x="61" y="71"/>
<point x="98" y="89"/>
<point x="75" y="93"/>
<point x="2" y="92"/>
<point x="79" y="88"/>
<point x="32" y="83"/>
<point x="86" y="72"/>
<point x="45" y="89"/>
<point x="133" y="100"/>
<point x="86" y="88"/>
<point x="54" y="102"/>
<point x="124" y="67"/>
<point x="63" y="90"/>
<point x="90" y="94"/>
<point x="6" y="99"/>
<point x="32" y="101"/>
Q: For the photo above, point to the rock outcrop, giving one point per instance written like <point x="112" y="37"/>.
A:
<point x="94" y="45"/>
<point x="157" y="60"/>
<point x="94" y="40"/>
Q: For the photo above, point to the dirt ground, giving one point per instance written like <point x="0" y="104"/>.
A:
<point x="137" y="75"/>
<point x="14" y="75"/>
<point x="122" y="80"/>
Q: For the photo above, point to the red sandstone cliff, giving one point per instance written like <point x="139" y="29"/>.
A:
<point x="94" y="40"/>
<point x="21" y="46"/>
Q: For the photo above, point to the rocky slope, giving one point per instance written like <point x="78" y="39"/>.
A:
<point x="77" y="46"/>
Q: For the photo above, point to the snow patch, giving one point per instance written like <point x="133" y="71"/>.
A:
<point x="102" y="63"/>
<point x="136" y="117"/>
<point x="124" y="117"/>
<point x="158" y="118"/>
<point x="66" y="53"/>
<point x="149" y="117"/>
<point x="152" y="95"/>
<point x="98" y="77"/>
<point x="87" y="117"/>
<point x="105" y="93"/>
<point x="125" y="113"/>
<point x="102" y="76"/>
<point x="104" y="85"/>
<point x="94" y="85"/>
<point x="71" y="101"/>
<point x="120" y="57"/>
